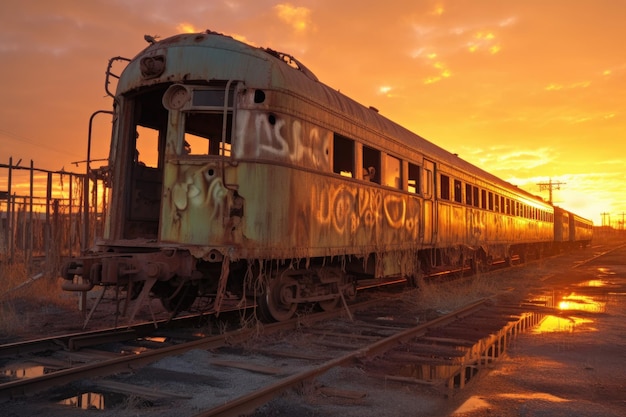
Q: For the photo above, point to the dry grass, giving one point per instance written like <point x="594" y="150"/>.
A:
<point x="21" y="295"/>
<point x="451" y="295"/>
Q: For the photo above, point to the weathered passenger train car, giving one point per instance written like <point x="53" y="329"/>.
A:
<point x="571" y="230"/>
<point x="234" y="169"/>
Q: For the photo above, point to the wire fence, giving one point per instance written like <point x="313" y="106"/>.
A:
<point x="47" y="216"/>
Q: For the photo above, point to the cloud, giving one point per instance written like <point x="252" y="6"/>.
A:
<point x="509" y="159"/>
<point x="187" y="27"/>
<point x="298" y="17"/>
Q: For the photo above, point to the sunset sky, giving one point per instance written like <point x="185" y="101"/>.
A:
<point x="528" y="90"/>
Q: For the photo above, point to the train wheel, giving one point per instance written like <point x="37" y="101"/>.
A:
<point x="276" y="303"/>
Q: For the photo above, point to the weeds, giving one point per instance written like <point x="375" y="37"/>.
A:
<point x="20" y="292"/>
<point x="451" y="295"/>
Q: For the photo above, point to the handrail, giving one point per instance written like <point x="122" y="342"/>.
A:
<point x="110" y="74"/>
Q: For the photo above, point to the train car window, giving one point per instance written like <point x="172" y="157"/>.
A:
<point x="508" y="206"/>
<point x="458" y="194"/>
<point x="147" y="147"/>
<point x="391" y="175"/>
<point x="371" y="164"/>
<point x="444" y="186"/>
<point x="483" y="199"/>
<point x="496" y="206"/>
<point x="211" y="98"/>
<point x="415" y="183"/>
<point x="203" y="134"/>
<point x="468" y="194"/>
<point x="343" y="156"/>
<point x="475" y="196"/>
<point x="491" y="201"/>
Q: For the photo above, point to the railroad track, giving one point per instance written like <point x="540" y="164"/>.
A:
<point x="372" y="335"/>
<point x="395" y="344"/>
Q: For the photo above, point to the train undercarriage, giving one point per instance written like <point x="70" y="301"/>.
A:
<point x="177" y="279"/>
<point x="277" y="288"/>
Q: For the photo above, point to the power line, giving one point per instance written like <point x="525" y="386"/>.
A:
<point x="550" y="186"/>
<point x="19" y="138"/>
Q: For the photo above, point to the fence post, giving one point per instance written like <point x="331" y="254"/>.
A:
<point x="47" y="228"/>
<point x="10" y="209"/>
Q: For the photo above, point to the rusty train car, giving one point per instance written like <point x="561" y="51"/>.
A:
<point x="571" y="230"/>
<point x="234" y="170"/>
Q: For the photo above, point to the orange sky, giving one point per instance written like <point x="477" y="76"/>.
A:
<point x="528" y="90"/>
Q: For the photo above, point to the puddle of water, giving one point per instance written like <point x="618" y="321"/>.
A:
<point x="535" y="396"/>
<point x="596" y="283"/>
<point x="133" y="350"/>
<point x="156" y="339"/>
<point x="582" y="303"/>
<point x="28" y="371"/>
<point x="573" y="302"/>
<point x="552" y="324"/>
<point x="104" y="401"/>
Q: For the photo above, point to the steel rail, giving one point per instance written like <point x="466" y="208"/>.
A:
<point x="72" y="341"/>
<point x="248" y="403"/>
<point x="33" y="385"/>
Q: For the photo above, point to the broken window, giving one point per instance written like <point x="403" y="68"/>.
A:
<point x="415" y="183"/>
<point x="147" y="147"/>
<point x="444" y="184"/>
<point x="343" y="156"/>
<point x="392" y="175"/>
<point x="371" y="164"/>
<point x="458" y="194"/>
<point x="203" y="134"/>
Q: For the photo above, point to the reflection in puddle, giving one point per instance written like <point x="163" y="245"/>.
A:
<point x="27" y="371"/>
<point x="104" y="401"/>
<point x="596" y="283"/>
<point x="551" y="324"/>
<point x="535" y="396"/>
<point x="572" y="302"/>
<point x="582" y="303"/>
<point x="606" y="271"/>
<point x="156" y="339"/>
<point x="85" y="401"/>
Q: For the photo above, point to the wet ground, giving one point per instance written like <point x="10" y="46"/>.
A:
<point x="574" y="364"/>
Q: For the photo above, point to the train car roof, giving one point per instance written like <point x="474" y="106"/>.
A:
<point x="220" y="57"/>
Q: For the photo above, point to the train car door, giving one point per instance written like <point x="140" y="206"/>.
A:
<point x="429" y="220"/>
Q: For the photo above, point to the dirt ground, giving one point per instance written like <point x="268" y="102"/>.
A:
<point x="573" y="364"/>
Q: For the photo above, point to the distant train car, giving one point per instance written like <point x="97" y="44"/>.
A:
<point x="561" y="226"/>
<point x="235" y="170"/>
<point x="571" y="230"/>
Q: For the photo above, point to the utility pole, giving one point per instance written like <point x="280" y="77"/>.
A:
<point x="604" y="215"/>
<point x="550" y="186"/>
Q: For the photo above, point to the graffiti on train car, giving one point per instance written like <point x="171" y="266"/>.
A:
<point x="197" y="204"/>
<point x="282" y="138"/>
<point x="348" y="209"/>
